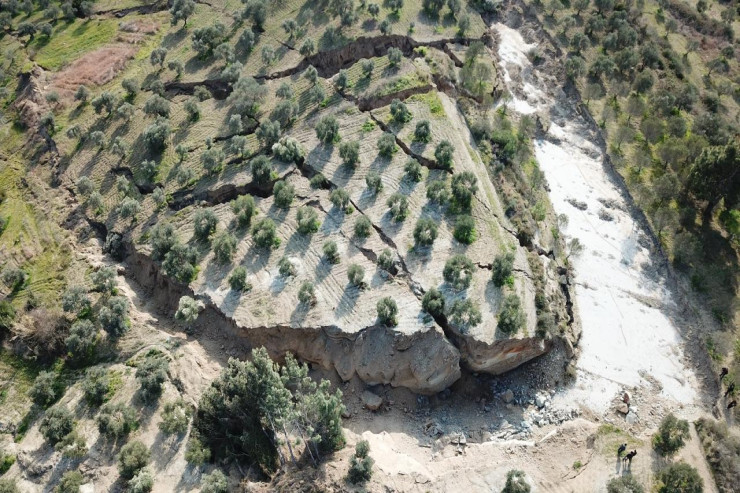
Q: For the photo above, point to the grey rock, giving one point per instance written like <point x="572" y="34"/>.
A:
<point x="371" y="401"/>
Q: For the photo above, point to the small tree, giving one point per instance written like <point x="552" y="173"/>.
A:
<point x="327" y="130"/>
<point x="387" y="145"/>
<point x="464" y="186"/>
<point x="155" y="135"/>
<point x="158" y="56"/>
<point x="458" y="272"/>
<point x="286" y="268"/>
<point x="361" y="464"/>
<point x="187" y="310"/>
<point x="363" y="226"/>
<point x="356" y="275"/>
<point x="433" y="302"/>
<point x="81" y="340"/>
<point x="387" y="312"/>
<point x="308" y="220"/>
<point x="175" y="417"/>
<point x="261" y="170"/>
<point x="116" y="420"/>
<point x="331" y="252"/>
<point x="342" y="80"/>
<point x="180" y="263"/>
<point x="283" y="193"/>
<point x="238" y="280"/>
<point x="181" y="10"/>
<point x="367" y="67"/>
<point x="204" y="224"/>
<point x="516" y="482"/>
<point x="398" y="207"/>
<point x="76" y="301"/>
<point x="151" y="373"/>
<point x="56" y="424"/>
<point x="133" y="457"/>
<point x="350" y="153"/>
<point x="45" y="389"/>
<point x="680" y="478"/>
<point x="96" y="385"/>
<point x="425" y="232"/>
<point x="400" y="112"/>
<point x="307" y="294"/>
<point x="224" y="247"/>
<point x="339" y="198"/>
<point x="423" y="132"/>
<point x="443" y="154"/>
<point x="503" y="266"/>
<point x="413" y="170"/>
<point x="624" y="484"/>
<point x="511" y="318"/>
<point x="82" y="94"/>
<point x="465" y="229"/>
<point x="264" y="234"/>
<point x="70" y="482"/>
<point x="464" y="314"/>
<point x="671" y="435"/>
<point x="394" y="56"/>
<point x="374" y="182"/>
<point x="244" y="209"/>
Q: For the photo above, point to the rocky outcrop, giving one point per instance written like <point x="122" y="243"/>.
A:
<point x="502" y="355"/>
<point x="424" y="362"/>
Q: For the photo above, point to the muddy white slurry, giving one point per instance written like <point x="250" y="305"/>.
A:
<point x="629" y="337"/>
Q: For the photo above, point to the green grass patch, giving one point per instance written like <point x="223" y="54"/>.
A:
<point x="400" y="84"/>
<point x="431" y="99"/>
<point x="610" y="437"/>
<point x="71" y="40"/>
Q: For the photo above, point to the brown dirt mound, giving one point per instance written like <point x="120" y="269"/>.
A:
<point x="93" y="69"/>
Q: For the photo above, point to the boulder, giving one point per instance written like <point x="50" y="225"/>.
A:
<point x="508" y="396"/>
<point x="540" y="400"/>
<point x="371" y="401"/>
<point x="623" y="408"/>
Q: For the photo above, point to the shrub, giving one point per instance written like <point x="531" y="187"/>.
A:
<point x="288" y="150"/>
<point x="264" y="234"/>
<point x="363" y="226"/>
<point x="162" y="239"/>
<point x="425" y="232"/>
<point x="156" y="135"/>
<point x="361" y="464"/>
<point x="423" y="132"/>
<point x="85" y="186"/>
<point x="76" y="301"/>
<point x="387" y="312"/>
<point x="192" y="109"/>
<point x="175" y="417"/>
<point x="339" y="198"/>
<point x="398" y="207"/>
<point x="511" y="318"/>
<point x="81" y="340"/>
<point x="212" y="160"/>
<point x="261" y="170"/>
<point x="464" y="187"/>
<point x="116" y="420"/>
<point x="114" y="316"/>
<point x="180" y="263"/>
<point x="224" y="246"/>
<point x="142" y="482"/>
<point x="464" y="314"/>
<point x="387" y="145"/>
<point x="8" y="486"/>
<point x="433" y="302"/>
<point x="70" y="482"/>
<point x="400" y="112"/>
<point x="413" y="171"/>
<point x="56" y="424"/>
<point x="104" y="280"/>
<point x="367" y="67"/>
<point x="458" y="272"/>
<point x="133" y="457"/>
<point x="308" y="220"/>
<point x="157" y="105"/>
<point x="286" y="267"/>
<point x="444" y="153"/>
<point x="238" y="280"/>
<point x="96" y="385"/>
<point x="331" y="252"/>
<point x="196" y="452"/>
<point x="13" y="278"/>
<point x="204" y="224"/>
<point x="82" y="94"/>
<point x="7" y="315"/>
<point x="214" y="483"/>
<point x="356" y="275"/>
<point x="307" y="294"/>
<point x="624" y="484"/>
<point x="311" y="74"/>
<point x="503" y="266"/>
<point x="671" y="435"/>
<point x="373" y="182"/>
<point x="45" y="389"/>
<point x="387" y="262"/>
<point x="437" y="192"/>
<point x="187" y="310"/>
<point x="680" y="478"/>
<point x="244" y="209"/>
<point x="350" y="153"/>
<point x="394" y="56"/>
<point x="283" y="193"/>
<point x="151" y="373"/>
<point x="97" y="138"/>
<point x="327" y="130"/>
<point x="516" y="482"/>
<point x="206" y="39"/>
<point x="129" y="208"/>
<point x="465" y="229"/>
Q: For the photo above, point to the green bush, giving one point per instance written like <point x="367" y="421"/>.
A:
<point x="264" y="234"/>
<point x="398" y="207"/>
<point x="458" y="272"/>
<point x="443" y="153"/>
<point x="244" y="209"/>
<point x="238" y="280"/>
<point x="413" y="171"/>
<point x="671" y="435"/>
<point x="215" y="482"/>
<point x="286" y="268"/>
<point x="363" y="227"/>
<point x="70" y="482"/>
<point x="400" y="112"/>
<point x="196" y="452"/>
<point x="465" y="229"/>
<point x="283" y="193"/>
<point x="114" y="316"/>
<point x="680" y="478"/>
<point x="13" y="278"/>
<point x="464" y="314"/>
<point x="356" y="275"/>
<point x="511" y="318"/>
<point x="327" y="130"/>
<point x="175" y="417"/>
<point x="423" y="132"/>
<point x="307" y="294"/>
<point x="516" y="482"/>
<point x="308" y="220"/>
<point x="56" y="424"/>
<point x="433" y="302"/>
<point x="464" y="186"/>
<point x="361" y="464"/>
<point x="7" y="315"/>
<point x="96" y="385"/>
<point x="387" y="145"/>
<point x="151" y="373"/>
<point x="339" y="198"/>
<point x="437" y="192"/>
<point x="387" y="261"/>
<point x="224" y="247"/>
<point x="425" y="232"/>
<point x="331" y="252"/>
<point x="116" y="420"/>
<point x="6" y="461"/>
<point x="502" y="269"/>
<point x="204" y="224"/>
<point x="624" y="484"/>
<point x="8" y="486"/>
<point x="387" y="312"/>
<point x="133" y="457"/>
<point x="350" y="153"/>
<point x="373" y="182"/>
<point x="45" y="389"/>
<point x="142" y="482"/>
